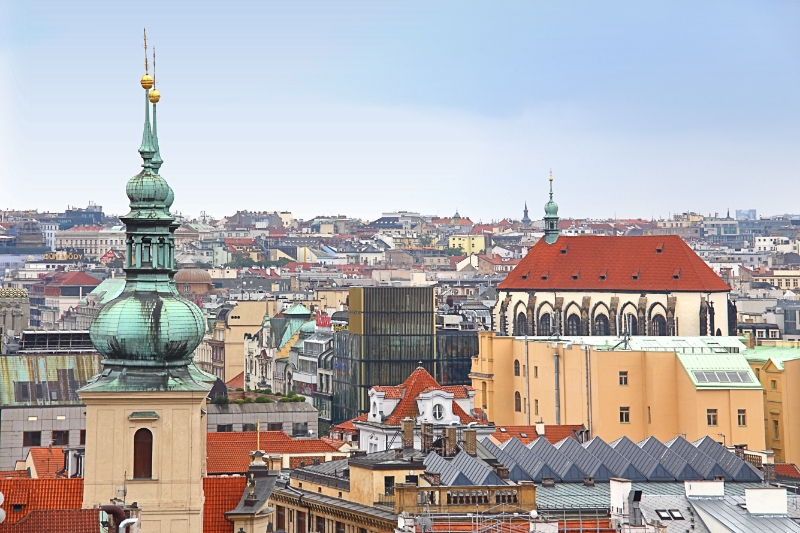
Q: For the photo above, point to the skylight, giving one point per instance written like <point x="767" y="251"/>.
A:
<point x="723" y="377"/>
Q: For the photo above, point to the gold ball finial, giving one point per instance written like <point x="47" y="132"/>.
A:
<point x="147" y="81"/>
<point x="155" y="96"/>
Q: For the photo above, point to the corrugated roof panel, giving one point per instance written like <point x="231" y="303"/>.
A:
<point x="738" y="469"/>
<point x="616" y="463"/>
<point x="564" y="468"/>
<point x="588" y="463"/>
<point x="45" y="379"/>
<point x="644" y="462"/>
<point x="475" y="470"/>
<point x="702" y="463"/>
<point x="533" y="466"/>
<point x="448" y="475"/>
<point x="515" y="472"/>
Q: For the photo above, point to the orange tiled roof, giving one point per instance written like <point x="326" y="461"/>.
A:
<point x="222" y="495"/>
<point x="47" y="461"/>
<point x="348" y="427"/>
<point x="588" y="262"/>
<point x="229" y="452"/>
<point x="41" y="495"/>
<point x="236" y="381"/>
<point x="13" y="474"/>
<point x="553" y="434"/>
<point x="72" y="520"/>
<point x="338" y="444"/>
<point x="787" y="470"/>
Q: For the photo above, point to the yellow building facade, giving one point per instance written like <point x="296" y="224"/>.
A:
<point x="470" y="244"/>
<point x="635" y="392"/>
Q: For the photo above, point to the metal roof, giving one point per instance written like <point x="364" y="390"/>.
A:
<point x="737" y="520"/>
<point x="29" y="380"/>
<point x="719" y="371"/>
<point x="448" y="475"/>
<point x="641" y="460"/>
<point x="735" y="467"/>
<point x="702" y="463"/>
<point x="676" y="465"/>
<point x="475" y="470"/>
<point x="529" y="462"/>
<point x="616" y="463"/>
<point x="650" y="503"/>
<point x="777" y="354"/>
<point x="559" y="463"/>
<point x="515" y="472"/>
<point x="588" y="463"/>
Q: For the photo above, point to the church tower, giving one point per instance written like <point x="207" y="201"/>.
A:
<point x="145" y="423"/>
<point x="551" y="217"/>
<point x="526" y="221"/>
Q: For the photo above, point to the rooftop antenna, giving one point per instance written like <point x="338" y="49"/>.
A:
<point x="146" y="70"/>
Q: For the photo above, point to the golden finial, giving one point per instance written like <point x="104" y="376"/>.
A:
<point x="147" y="80"/>
<point x="155" y="96"/>
<point x="551" y="170"/>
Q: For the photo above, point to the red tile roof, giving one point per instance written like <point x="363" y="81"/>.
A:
<point x="86" y="228"/>
<point x="787" y="470"/>
<point x="41" y="495"/>
<point x="338" y="444"/>
<point x="15" y="474"/>
<point x="222" y="495"/>
<point x="72" y="521"/>
<point x="75" y="279"/>
<point x="47" y="461"/>
<point x="348" y="427"/>
<point x="553" y="434"/>
<point x="236" y="381"/>
<point x="581" y="263"/>
<point x="229" y="452"/>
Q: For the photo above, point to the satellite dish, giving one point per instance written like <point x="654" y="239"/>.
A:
<point x="425" y="523"/>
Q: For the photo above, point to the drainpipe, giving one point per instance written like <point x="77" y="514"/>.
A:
<point x="118" y="514"/>
<point x="558" y="392"/>
<point x="527" y="380"/>
<point x="589" y="387"/>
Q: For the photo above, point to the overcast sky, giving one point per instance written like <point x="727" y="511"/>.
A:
<point x="640" y="108"/>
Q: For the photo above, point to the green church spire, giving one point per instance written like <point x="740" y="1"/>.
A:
<point x="155" y="96"/>
<point x="551" y="217"/>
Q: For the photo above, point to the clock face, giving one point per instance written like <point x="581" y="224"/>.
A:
<point x="438" y="412"/>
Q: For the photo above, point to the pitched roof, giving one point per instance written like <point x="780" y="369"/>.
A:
<point x="418" y="382"/>
<point x="13" y="474"/>
<point x="236" y="381"/>
<point x="41" y="495"/>
<point x="787" y="470"/>
<point x="221" y="495"/>
<point x="348" y="427"/>
<point x="47" y="461"/>
<point x="72" y="520"/>
<point x="229" y="452"/>
<point x="76" y="278"/>
<point x="585" y="262"/>
<point x="527" y="434"/>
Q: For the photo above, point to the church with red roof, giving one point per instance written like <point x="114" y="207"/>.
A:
<point x="608" y="286"/>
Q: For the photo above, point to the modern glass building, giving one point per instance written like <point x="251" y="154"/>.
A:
<point x="391" y="331"/>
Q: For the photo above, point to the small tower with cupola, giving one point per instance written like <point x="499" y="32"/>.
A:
<point x="551" y="217"/>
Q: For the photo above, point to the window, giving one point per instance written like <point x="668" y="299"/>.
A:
<point x="32" y="438"/>
<point x="522" y="324"/>
<point x="275" y="426"/>
<point x="249" y="427"/>
<point x="536" y="407"/>
<point x="742" y="417"/>
<point x="631" y="324"/>
<point x="388" y="485"/>
<point x="142" y="454"/>
<point x="438" y="411"/>
<point x="773" y="384"/>
<point x="775" y="433"/>
<point x="624" y="415"/>
<point x="536" y="371"/>
<point x="623" y="378"/>
<point x="340" y="527"/>
<point x="516" y="367"/>
<point x="224" y="428"/>
<point x="300" y="429"/>
<point x="544" y="325"/>
<point x="60" y="438"/>
<point x="82" y="437"/>
<point x="659" y="326"/>
<point x="711" y="417"/>
<point x="320" y="523"/>
<point x="573" y="325"/>
<point x="649" y="419"/>
<point x="517" y="402"/>
<point x="601" y="325"/>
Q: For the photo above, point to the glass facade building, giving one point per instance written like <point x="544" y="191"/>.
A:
<point x="391" y="331"/>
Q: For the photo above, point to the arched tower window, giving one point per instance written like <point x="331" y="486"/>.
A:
<point x="522" y="324"/>
<point x="601" y="325"/>
<point x="574" y="325"/>
<point x="659" y="326"/>
<point x="517" y="402"/>
<point x="143" y="454"/>
<point x="516" y="367"/>
<point x="544" y="325"/>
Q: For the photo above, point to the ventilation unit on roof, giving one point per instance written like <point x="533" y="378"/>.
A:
<point x="676" y="274"/>
<point x="564" y="248"/>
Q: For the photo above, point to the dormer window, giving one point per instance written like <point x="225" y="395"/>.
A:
<point x="545" y="275"/>
<point x="676" y="274"/>
<point x="576" y="275"/>
<point x="603" y="274"/>
<point x="438" y="412"/>
<point x="564" y="248"/>
<point x="660" y="248"/>
<point x="635" y="274"/>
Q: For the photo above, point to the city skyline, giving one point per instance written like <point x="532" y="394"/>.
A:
<point x="639" y="110"/>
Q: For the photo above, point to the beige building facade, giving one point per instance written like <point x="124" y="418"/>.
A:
<point x="649" y="389"/>
<point x="94" y="242"/>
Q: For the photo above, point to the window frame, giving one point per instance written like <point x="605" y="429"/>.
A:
<point x="712" y="418"/>
<point x="623" y="378"/>
<point x="741" y="417"/>
<point x="517" y="402"/>
<point x="143" y="441"/>
<point x="624" y="415"/>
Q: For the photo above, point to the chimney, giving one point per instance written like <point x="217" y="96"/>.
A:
<point x="398" y="453"/>
<point x="540" y="428"/>
<point x="588" y="481"/>
<point x="407" y="430"/>
<point x="501" y="471"/>
<point x="548" y="482"/>
<point x="739" y="449"/>
<point x="450" y="441"/>
<point x="634" y="498"/>
<point x="471" y="442"/>
<point x="427" y="436"/>
<point x="274" y="462"/>
<point x="434" y="478"/>
<point x="769" y="472"/>
<point x="766" y="501"/>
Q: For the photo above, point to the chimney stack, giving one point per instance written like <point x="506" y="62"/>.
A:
<point x="450" y="443"/>
<point x="407" y="430"/>
<point x="427" y="436"/>
<point x="540" y="428"/>
<point x="471" y="442"/>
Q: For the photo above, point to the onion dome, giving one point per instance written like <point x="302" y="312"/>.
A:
<point x="551" y="208"/>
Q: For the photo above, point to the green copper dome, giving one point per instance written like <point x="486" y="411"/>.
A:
<point x="149" y="325"/>
<point x="551" y="208"/>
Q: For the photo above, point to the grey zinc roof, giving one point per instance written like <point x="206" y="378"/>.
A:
<point x="737" y="520"/>
<point x="448" y="475"/>
<point x="616" y="463"/>
<point x="702" y="463"/>
<point x="475" y="470"/>
<point x="652" y="502"/>
<point x="671" y="461"/>
<point x="588" y="463"/>
<point x="643" y="461"/>
<point x="530" y="463"/>
<point x="515" y="472"/>
<point x="738" y="469"/>
<point x="559" y="463"/>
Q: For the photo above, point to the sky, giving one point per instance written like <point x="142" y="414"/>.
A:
<point x="641" y="109"/>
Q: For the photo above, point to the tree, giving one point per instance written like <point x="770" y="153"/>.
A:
<point x="454" y="251"/>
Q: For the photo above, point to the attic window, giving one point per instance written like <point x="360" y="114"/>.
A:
<point x="635" y="274"/>
<point x="545" y="275"/>
<point x="564" y="248"/>
<point x="502" y="430"/>
<point x="526" y="274"/>
<point x="660" y="248"/>
<point x="676" y="274"/>
<point x="603" y="274"/>
<point x="523" y="435"/>
<point x="576" y="274"/>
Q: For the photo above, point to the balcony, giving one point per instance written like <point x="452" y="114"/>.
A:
<point x="413" y="499"/>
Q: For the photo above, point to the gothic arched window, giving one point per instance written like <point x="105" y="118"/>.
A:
<point x="574" y="325"/>
<point x="517" y="402"/>
<point x="143" y="454"/>
<point x="631" y="324"/>
<point x="521" y="325"/>
<point x="516" y="367"/>
<point x="658" y="326"/>
<point x="544" y="325"/>
<point x="601" y="325"/>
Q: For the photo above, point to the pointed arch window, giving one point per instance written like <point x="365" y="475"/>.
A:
<point x="517" y="402"/>
<point x="143" y="454"/>
<point x="659" y="326"/>
<point x="522" y="324"/>
<point x="516" y="367"/>
<point x="574" y="325"/>
<point x="601" y="325"/>
<point x="545" y="328"/>
<point x="631" y="324"/>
